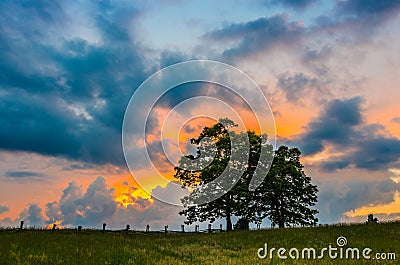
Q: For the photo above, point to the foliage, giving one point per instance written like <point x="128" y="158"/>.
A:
<point x="219" y="149"/>
<point x="286" y="195"/>
<point x="242" y="224"/>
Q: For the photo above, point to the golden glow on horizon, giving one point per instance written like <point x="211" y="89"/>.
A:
<point x="58" y="225"/>
<point x="127" y="190"/>
<point x="390" y="208"/>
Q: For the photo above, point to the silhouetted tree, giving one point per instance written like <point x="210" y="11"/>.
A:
<point x="218" y="149"/>
<point x="371" y="219"/>
<point x="286" y="195"/>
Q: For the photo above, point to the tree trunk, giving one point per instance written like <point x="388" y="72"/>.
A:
<point x="228" y="222"/>
<point x="228" y="212"/>
<point x="281" y="221"/>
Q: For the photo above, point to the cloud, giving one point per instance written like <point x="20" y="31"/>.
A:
<point x="348" y="21"/>
<point x="258" y="35"/>
<point x="52" y="212"/>
<point x="341" y="126"/>
<point x="382" y="217"/>
<point x="97" y="205"/>
<point x="376" y="153"/>
<point x="335" y="125"/>
<point x="316" y="53"/>
<point x="190" y="129"/>
<point x="396" y="120"/>
<point x="168" y="58"/>
<point x="299" y="86"/>
<point x="23" y="175"/>
<point x="295" y="4"/>
<point x="358" y="17"/>
<point x="156" y="214"/>
<point x="32" y="216"/>
<point x="64" y="86"/>
<point x="336" y="198"/>
<point x="371" y="11"/>
<point x="3" y="209"/>
<point x="89" y="208"/>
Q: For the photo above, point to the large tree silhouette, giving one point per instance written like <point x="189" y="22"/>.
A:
<point x="219" y="150"/>
<point x="284" y="196"/>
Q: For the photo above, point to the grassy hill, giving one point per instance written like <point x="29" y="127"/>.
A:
<point x="238" y="247"/>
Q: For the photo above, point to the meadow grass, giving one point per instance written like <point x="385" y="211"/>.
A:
<point x="237" y="247"/>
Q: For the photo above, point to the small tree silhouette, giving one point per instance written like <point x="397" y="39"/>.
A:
<point x="371" y="219"/>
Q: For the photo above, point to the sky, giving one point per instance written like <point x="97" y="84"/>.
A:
<point x="330" y="71"/>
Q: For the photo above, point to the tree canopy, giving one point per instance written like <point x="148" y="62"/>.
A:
<point x="224" y="165"/>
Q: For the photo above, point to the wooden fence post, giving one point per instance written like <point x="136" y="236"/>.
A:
<point x="147" y="228"/>
<point x="196" y="228"/>
<point x="209" y="228"/>
<point x="104" y="227"/>
<point x="220" y="227"/>
<point x="166" y="229"/>
<point x="183" y="228"/>
<point x="21" y="225"/>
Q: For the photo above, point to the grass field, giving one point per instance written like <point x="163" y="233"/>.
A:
<point x="239" y="247"/>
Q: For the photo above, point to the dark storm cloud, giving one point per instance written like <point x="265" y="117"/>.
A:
<point x="335" y="125"/>
<point x="341" y="125"/>
<point x="23" y="174"/>
<point x="257" y="35"/>
<point x="63" y="95"/>
<point x="376" y="153"/>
